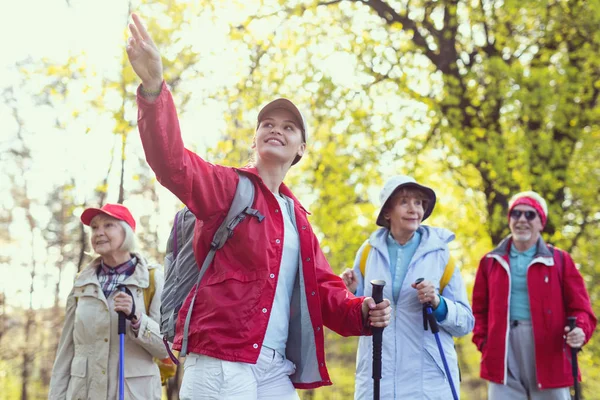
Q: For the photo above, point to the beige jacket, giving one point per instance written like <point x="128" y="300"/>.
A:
<point x="87" y="359"/>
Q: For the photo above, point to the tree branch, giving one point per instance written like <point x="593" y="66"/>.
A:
<point x="387" y="13"/>
<point x="328" y="3"/>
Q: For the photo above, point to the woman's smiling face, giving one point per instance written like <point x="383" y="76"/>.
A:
<point x="279" y="137"/>
<point x="107" y="235"/>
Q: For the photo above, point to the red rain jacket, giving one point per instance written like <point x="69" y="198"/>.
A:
<point x="555" y="292"/>
<point x="234" y="301"/>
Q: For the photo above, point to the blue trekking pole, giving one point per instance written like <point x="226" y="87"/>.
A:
<point x="377" y="294"/>
<point x="428" y="317"/>
<point x="121" y="352"/>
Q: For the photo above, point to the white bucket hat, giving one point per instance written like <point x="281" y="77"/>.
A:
<point x="403" y="181"/>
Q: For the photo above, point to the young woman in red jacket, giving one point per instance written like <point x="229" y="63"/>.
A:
<point x="259" y="315"/>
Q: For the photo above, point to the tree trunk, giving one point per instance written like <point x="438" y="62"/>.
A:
<point x="26" y="357"/>
<point x="30" y="322"/>
<point x="122" y="182"/>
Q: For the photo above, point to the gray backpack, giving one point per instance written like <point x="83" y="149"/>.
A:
<point x="181" y="271"/>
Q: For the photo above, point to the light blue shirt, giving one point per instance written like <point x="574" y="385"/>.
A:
<point x="279" y="321"/>
<point x="400" y="257"/>
<point x="519" y="294"/>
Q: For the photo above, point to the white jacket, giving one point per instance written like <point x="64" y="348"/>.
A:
<point x="412" y="367"/>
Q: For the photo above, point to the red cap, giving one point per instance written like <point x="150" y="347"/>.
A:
<point x="117" y="211"/>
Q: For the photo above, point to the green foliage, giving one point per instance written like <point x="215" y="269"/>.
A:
<point x="9" y="381"/>
<point x="478" y="99"/>
<point x="503" y="98"/>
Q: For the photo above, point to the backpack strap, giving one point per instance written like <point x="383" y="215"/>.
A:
<point x="150" y="290"/>
<point x="240" y="208"/>
<point x="363" y="258"/>
<point x="560" y="265"/>
<point x="175" y="244"/>
<point x="448" y="272"/>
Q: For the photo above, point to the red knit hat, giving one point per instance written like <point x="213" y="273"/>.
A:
<point x="532" y="199"/>
<point x="117" y="211"/>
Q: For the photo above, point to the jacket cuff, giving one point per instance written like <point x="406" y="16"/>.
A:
<point x="366" y="328"/>
<point x="137" y="327"/>
<point x="441" y="312"/>
<point x="143" y="102"/>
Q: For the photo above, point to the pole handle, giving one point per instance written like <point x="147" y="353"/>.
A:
<point x="572" y="321"/>
<point x="428" y="317"/>
<point x="377" y="294"/>
<point x="425" y="325"/>
<point x="377" y="291"/>
<point x="122" y="325"/>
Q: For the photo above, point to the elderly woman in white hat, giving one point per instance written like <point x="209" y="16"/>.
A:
<point x="400" y="252"/>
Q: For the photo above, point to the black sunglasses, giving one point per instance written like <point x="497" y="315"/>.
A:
<point x="529" y="215"/>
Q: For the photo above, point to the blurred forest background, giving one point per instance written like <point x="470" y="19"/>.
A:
<point x="477" y="98"/>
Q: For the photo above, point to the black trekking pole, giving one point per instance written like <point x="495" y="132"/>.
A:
<point x="122" y="352"/>
<point x="574" y="365"/>
<point x="428" y="317"/>
<point x="377" y="295"/>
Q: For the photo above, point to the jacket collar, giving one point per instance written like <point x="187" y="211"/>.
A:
<point x="432" y="239"/>
<point x="542" y="250"/>
<point x="283" y="189"/>
<point x="139" y="278"/>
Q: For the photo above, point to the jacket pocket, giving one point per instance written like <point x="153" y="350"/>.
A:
<point x="79" y="367"/>
<point x="237" y="292"/>
<point x="235" y="275"/>
<point x="142" y="377"/>
<point x="77" y="388"/>
<point x="432" y="367"/>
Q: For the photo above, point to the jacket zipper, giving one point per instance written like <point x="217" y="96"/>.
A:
<point x="535" y="260"/>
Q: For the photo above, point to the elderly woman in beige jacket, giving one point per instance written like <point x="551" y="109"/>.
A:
<point x="87" y="360"/>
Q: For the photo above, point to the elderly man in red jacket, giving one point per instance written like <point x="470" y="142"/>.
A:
<point x="524" y="291"/>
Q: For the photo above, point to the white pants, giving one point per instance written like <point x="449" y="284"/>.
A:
<point x="208" y="378"/>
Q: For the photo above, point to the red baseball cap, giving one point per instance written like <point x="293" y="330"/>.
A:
<point x="117" y="211"/>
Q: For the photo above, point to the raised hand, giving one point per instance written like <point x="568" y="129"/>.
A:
<point x="144" y="56"/>
<point x="350" y="280"/>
